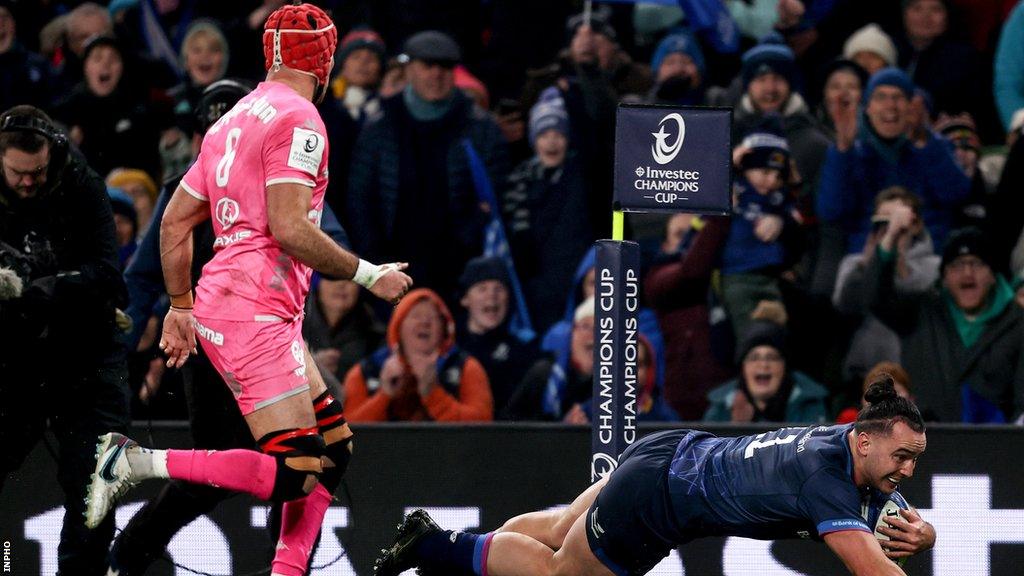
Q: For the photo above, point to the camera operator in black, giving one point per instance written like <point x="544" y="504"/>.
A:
<point x="60" y="356"/>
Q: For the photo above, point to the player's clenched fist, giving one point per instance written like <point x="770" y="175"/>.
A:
<point x="385" y="281"/>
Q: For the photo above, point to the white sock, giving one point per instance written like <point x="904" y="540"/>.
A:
<point x="147" y="463"/>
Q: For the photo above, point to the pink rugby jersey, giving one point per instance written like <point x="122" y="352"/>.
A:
<point x="273" y="135"/>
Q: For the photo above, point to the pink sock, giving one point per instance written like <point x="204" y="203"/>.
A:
<point x="239" y="470"/>
<point x="300" y="524"/>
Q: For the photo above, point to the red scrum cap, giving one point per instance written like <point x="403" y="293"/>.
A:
<point x="301" y="37"/>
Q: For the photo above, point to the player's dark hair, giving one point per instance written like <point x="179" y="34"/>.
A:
<point x="885" y="408"/>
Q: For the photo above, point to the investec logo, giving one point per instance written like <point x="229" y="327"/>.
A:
<point x="662" y="152"/>
<point x="666" y="186"/>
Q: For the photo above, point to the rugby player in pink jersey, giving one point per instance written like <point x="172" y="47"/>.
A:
<point x="261" y="176"/>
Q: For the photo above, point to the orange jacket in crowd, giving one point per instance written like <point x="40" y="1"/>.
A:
<point x="462" y="392"/>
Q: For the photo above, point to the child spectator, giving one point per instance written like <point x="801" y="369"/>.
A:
<point x="545" y="212"/>
<point x="755" y="252"/>
<point x="485" y="334"/>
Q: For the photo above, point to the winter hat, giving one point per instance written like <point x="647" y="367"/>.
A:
<point x="121" y="203"/>
<point x="871" y="38"/>
<point x="431" y="46"/>
<point x="102" y="40"/>
<point x="769" y="59"/>
<point x="483" y="268"/>
<point x="121" y="177"/>
<point x="969" y="241"/>
<point x="960" y="130"/>
<point x="890" y="77"/>
<point x="584" y="310"/>
<point x="768" y="149"/>
<point x="361" y="38"/>
<point x="762" y="333"/>
<point x="681" y="42"/>
<point x="548" y="113"/>
<point x="849" y="65"/>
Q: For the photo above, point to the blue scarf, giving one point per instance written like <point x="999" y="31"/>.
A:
<point x="890" y="150"/>
<point x="424" y="110"/>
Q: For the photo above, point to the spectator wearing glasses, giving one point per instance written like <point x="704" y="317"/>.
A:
<point x="960" y="341"/>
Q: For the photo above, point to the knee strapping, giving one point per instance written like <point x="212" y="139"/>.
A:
<point x="340" y="453"/>
<point x="330" y="421"/>
<point x="298" y="452"/>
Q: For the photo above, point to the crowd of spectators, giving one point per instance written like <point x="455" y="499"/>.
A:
<point x="876" y="212"/>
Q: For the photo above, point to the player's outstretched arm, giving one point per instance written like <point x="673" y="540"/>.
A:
<point x="861" y="553"/>
<point x="287" y="208"/>
<point x="183" y="213"/>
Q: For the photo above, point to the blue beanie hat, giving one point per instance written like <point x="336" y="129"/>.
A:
<point x="890" y="77"/>
<point x="548" y="113"/>
<point x="121" y="203"/>
<point x="768" y="148"/>
<point x="682" y="42"/>
<point x="769" y="58"/>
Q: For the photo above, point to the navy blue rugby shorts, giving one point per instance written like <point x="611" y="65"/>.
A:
<point x="631" y="526"/>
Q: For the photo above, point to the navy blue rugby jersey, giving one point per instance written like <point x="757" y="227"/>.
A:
<point x="788" y="483"/>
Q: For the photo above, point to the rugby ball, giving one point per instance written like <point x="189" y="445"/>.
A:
<point x="891" y="509"/>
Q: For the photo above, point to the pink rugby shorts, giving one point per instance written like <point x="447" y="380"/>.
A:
<point x="261" y="362"/>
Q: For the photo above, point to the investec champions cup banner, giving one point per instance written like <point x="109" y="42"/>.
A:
<point x="617" y="298"/>
<point x="673" y="159"/>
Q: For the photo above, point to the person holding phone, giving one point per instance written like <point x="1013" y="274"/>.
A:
<point x="897" y="220"/>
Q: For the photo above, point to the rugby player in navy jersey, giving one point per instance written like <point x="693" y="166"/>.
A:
<point x="673" y="487"/>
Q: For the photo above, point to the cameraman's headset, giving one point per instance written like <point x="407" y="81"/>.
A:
<point x="14" y="122"/>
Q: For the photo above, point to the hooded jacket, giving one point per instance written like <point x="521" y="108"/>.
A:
<point x="462" y="392"/>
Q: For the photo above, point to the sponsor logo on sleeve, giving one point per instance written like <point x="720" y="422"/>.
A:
<point x="307" y="151"/>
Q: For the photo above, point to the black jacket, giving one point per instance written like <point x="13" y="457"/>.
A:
<point x="411" y="195"/>
<point x="76" y="282"/>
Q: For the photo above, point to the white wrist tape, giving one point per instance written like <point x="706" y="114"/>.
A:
<point x="367" y="274"/>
